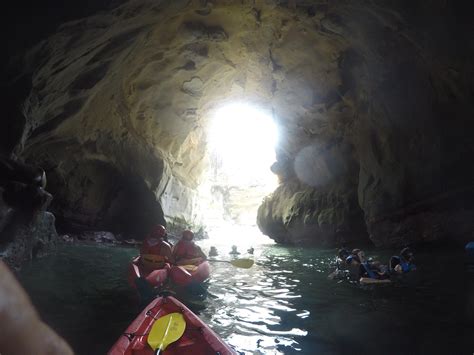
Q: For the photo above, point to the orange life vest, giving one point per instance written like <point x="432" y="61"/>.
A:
<point x="186" y="249"/>
<point x="151" y="253"/>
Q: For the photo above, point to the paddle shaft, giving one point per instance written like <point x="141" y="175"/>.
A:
<point x="164" y="336"/>
<point x="220" y="261"/>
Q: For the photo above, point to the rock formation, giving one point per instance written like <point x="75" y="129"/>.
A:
<point x="27" y="231"/>
<point x="373" y="101"/>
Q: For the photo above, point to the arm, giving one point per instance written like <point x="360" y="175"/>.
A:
<point x="173" y="252"/>
<point x="23" y="332"/>
<point x="201" y="253"/>
<point x="167" y="252"/>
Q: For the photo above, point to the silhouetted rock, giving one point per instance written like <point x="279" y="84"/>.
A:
<point x="27" y="241"/>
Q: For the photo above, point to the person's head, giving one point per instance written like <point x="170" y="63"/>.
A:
<point x="158" y="231"/>
<point x="188" y="235"/>
<point x="355" y="254"/>
<point x="343" y="253"/>
<point x="407" y="254"/>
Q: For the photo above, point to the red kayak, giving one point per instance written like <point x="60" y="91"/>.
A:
<point x="190" y="274"/>
<point x="156" y="278"/>
<point x="197" y="339"/>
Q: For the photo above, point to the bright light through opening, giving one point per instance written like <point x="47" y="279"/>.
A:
<point x="242" y="139"/>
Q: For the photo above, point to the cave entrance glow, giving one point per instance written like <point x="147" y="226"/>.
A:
<point x="241" y="149"/>
<point x="242" y="143"/>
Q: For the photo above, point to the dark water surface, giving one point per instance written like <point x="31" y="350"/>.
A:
<point x="284" y="304"/>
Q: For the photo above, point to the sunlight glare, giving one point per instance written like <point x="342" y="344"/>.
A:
<point x="243" y="138"/>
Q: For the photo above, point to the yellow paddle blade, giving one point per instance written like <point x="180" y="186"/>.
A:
<point x="189" y="267"/>
<point x="243" y="263"/>
<point x="166" y="330"/>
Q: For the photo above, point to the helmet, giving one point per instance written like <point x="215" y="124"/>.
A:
<point x="158" y="231"/>
<point x="188" y="235"/>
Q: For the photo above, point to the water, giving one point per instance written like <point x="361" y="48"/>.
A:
<point x="284" y="304"/>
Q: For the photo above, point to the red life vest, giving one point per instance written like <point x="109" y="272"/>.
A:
<point x="151" y="246"/>
<point x="186" y="249"/>
<point x="151" y="253"/>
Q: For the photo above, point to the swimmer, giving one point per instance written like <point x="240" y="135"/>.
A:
<point x="213" y="251"/>
<point x="361" y="267"/>
<point x="403" y="263"/>
<point x="234" y="250"/>
<point x="341" y="264"/>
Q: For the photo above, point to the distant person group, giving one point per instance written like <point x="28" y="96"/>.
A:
<point x="233" y="252"/>
<point x="358" y="266"/>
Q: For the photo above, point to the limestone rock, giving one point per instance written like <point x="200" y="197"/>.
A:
<point x="301" y="215"/>
<point x="98" y="237"/>
<point x="193" y="87"/>
<point x="28" y="241"/>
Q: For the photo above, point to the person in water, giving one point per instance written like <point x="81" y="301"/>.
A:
<point x="403" y="263"/>
<point x="234" y="250"/>
<point x="342" y="255"/>
<point x="341" y="264"/>
<point x="23" y="332"/>
<point x="213" y="251"/>
<point x="361" y="267"/>
<point x="352" y="258"/>
<point x="155" y="252"/>
<point x="186" y="252"/>
<point x="250" y="251"/>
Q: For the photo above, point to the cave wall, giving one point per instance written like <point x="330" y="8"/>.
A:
<point x="406" y="76"/>
<point x="373" y="101"/>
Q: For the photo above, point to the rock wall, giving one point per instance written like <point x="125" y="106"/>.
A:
<point x="21" y="242"/>
<point x="373" y="101"/>
<point x="302" y="215"/>
<point x="403" y="76"/>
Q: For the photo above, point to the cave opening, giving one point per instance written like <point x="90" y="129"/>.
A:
<point x="241" y="142"/>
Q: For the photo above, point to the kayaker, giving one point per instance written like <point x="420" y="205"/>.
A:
<point x="186" y="252"/>
<point x="23" y="332"/>
<point x="155" y="252"/>
<point x="403" y="263"/>
<point x="213" y="251"/>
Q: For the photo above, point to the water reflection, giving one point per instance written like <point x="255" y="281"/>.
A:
<point x="256" y="314"/>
